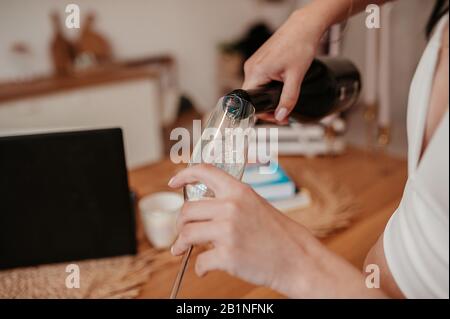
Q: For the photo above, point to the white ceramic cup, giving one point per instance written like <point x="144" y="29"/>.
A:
<point x="159" y="212"/>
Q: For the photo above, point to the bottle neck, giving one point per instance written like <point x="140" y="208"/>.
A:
<point x="264" y="99"/>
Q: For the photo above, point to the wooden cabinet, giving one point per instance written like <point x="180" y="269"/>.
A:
<point x="129" y="99"/>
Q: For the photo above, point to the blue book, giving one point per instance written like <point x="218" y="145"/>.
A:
<point x="274" y="186"/>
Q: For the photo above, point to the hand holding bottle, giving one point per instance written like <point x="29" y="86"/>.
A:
<point x="285" y="57"/>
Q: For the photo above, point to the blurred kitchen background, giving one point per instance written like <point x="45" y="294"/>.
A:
<point x="148" y="66"/>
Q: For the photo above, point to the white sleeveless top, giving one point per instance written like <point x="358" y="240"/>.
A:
<point x="416" y="239"/>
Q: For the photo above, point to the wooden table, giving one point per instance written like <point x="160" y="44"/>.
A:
<point x="376" y="180"/>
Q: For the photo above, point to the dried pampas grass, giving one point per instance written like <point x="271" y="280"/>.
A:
<point x="116" y="277"/>
<point x="332" y="206"/>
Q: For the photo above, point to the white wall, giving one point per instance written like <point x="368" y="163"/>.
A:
<point x="191" y="30"/>
<point x="188" y="29"/>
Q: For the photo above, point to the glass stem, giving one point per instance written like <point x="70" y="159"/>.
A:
<point x="180" y="275"/>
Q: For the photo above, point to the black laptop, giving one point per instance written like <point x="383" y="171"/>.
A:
<point x="64" y="197"/>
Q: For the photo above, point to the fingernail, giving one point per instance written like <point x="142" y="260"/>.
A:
<point x="171" y="251"/>
<point x="280" y="114"/>
<point x="171" y="181"/>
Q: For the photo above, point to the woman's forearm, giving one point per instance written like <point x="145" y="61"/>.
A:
<point x="325" y="275"/>
<point x="255" y="242"/>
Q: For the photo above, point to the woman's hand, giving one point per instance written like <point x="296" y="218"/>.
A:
<point x="285" y="57"/>
<point x="252" y="240"/>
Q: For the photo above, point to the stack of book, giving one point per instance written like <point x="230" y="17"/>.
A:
<point x="315" y="139"/>
<point x="276" y="186"/>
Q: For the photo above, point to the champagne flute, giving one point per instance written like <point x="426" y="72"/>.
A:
<point x="224" y="144"/>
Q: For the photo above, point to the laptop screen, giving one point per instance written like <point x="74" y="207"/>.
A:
<point x="64" y="197"/>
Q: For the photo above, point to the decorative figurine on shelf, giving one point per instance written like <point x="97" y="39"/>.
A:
<point x="92" y="47"/>
<point x="61" y="49"/>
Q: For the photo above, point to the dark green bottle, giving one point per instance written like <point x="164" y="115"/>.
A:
<point x="330" y="85"/>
